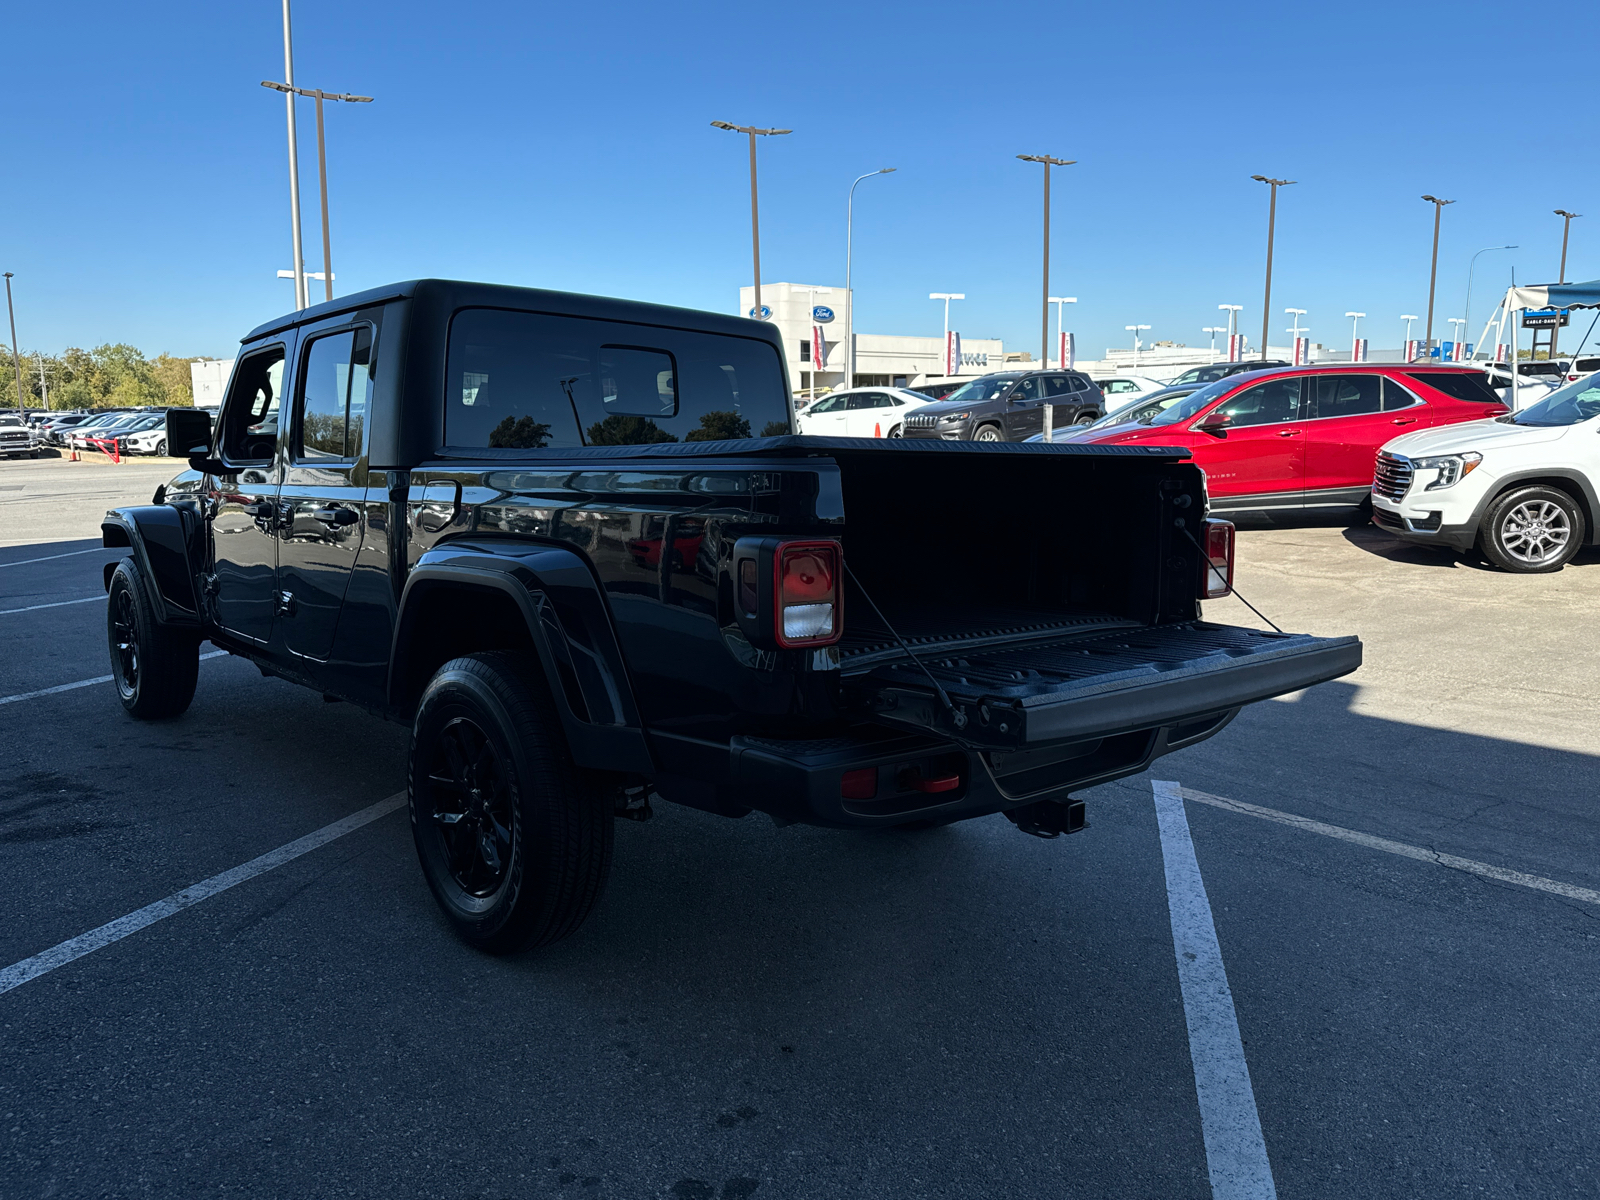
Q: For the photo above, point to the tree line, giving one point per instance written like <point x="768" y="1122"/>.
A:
<point x="108" y="376"/>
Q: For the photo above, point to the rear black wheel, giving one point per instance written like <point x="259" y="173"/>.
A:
<point x="514" y="839"/>
<point x="154" y="667"/>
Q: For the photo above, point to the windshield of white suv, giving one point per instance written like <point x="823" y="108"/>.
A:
<point x="1571" y="404"/>
<point x="1195" y="401"/>
<point x="986" y="388"/>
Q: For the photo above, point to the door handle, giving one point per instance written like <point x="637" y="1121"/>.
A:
<point x="257" y="508"/>
<point x="1288" y="433"/>
<point x="336" y="515"/>
<point x="1404" y="421"/>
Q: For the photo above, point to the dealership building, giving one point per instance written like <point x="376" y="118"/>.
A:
<point x="882" y="359"/>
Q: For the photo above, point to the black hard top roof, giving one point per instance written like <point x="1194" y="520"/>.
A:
<point x="453" y="294"/>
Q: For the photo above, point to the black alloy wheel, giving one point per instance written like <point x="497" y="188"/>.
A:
<point x="1085" y="419"/>
<point x="514" y="839"/>
<point x="154" y="667"/>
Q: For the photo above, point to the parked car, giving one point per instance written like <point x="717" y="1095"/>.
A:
<point x="861" y="412"/>
<point x="17" y="439"/>
<point x="151" y="427"/>
<point x="55" y="431"/>
<point x="1009" y="407"/>
<point x="1305" y="437"/>
<point x="1125" y="387"/>
<point x="1136" y="411"/>
<point x="84" y="436"/>
<point x="584" y="584"/>
<point x="1215" y="371"/>
<point x="1524" y="488"/>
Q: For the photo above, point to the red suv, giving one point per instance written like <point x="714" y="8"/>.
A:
<point x="1305" y="437"/>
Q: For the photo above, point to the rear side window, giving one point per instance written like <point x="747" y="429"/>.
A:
<point x="1346" y="395"/>
<point x="530" y="381"/>
<point x="335" y="386"/>
<point x="1462" y="385"/>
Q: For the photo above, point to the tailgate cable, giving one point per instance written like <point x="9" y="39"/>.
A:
<point x="957" y="715"/>
<point x="1206" y="558"/>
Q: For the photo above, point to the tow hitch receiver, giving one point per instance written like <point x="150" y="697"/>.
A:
<point x="1048" y="818"/>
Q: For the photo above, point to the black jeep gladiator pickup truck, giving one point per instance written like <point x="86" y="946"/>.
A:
<point x="575" y="544"/>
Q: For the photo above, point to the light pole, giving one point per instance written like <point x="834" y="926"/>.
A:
<point x="1233" y="311"/>
<point x="1044" y="314"/>
<point x="297" y="257"/>
<point x="850" y="296"/>
<point x="1455" y="336"/>
<point x="811" y="323"/>
<point x="1272" y="220"/>
<point x="16" y="359"/>
<point x="1566" y="227"/>
<point x="1061" y="342"/>
<point x="1213" y="330"/>
<point x="289" y="90"/>
<point x="1355" y="341"/>
<point x="949" y="367"/>
<point x="755" y="222"/>
<point x="1297" y="313"/>
<point x="1466" y="316"/>
<point x="1433" y="271"/>
<point x="1136" y="330"/>
<point x="1406" y="344"/>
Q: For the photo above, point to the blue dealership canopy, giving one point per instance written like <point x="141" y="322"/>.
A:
<point x="1556" y="295"/>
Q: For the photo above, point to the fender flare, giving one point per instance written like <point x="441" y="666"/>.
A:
<point x="1585" y="495"/>
<point x="160" y="537"/>
<point x="569" y="623"/>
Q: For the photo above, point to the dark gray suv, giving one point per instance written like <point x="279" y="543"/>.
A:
<point x="1008" y="407"/>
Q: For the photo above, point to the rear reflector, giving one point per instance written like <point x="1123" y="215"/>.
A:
<point x="807" y="594"/>
<point x="942" y="783"/>
<point x="860" y="784"/>
<point x="1216" y="571"/>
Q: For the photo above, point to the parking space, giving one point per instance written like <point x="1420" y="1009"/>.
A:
<point x="793" y="1012"/>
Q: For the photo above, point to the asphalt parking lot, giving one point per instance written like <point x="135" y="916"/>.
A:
<point x="1401" y="869"/>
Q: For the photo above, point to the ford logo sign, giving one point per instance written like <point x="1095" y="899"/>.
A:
<point x="765" y="313"/>
<point x="822" y="313"/>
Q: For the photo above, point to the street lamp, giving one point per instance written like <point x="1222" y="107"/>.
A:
<point x="1272" y="220"/>
<point x="850" y="301"/>
<point x="755" y="223"/>
<point x="1566" y="227"/>
<point x="1136" y="330"/>
<point x="1407" y="318"/>
<point x="1044" y="315"/>
<point x="289" y="90"/>
<point x="1455" y="336"/>
<point x="1061" y="342"/>
<point x="1355" y="343"/>
<point x="1233" y="311"/>
<point x="16" y="359"/>
<point x="297" y="257"/>
<point x="1433" y="271"/>
<point x="1466" y="316"/>
<point x="949" y="367"/>
<point x="1213" y="330"/>
<point x="1297" y="313"/>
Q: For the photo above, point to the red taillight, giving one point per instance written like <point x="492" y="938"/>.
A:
<point x="1216" y="571"/>
<point x="807" y="611"/>
<point x="860" y="784"/>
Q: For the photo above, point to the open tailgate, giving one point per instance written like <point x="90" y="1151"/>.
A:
<point x="1078" y="686"/>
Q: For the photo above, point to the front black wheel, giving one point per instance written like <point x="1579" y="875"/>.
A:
<point x="154" y="667"/>
<point x="514" y="839"/>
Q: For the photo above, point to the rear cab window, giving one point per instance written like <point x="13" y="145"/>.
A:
<point x="533" y="381"/>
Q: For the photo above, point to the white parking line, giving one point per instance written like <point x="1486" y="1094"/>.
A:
<point x="114" y="931"/>
<point x="81" y="683"/>
<point x="6" y="612"/>
<point x="1420" y="853"/>
<point x="1236" y="1153"/>
<point x="22" y="562"/>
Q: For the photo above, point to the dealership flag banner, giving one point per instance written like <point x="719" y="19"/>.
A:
<point x="1235" y="346"/>
<point x="952" y="352"/>
<point x="819" y="349"/>
<point x="1069" y="351"/>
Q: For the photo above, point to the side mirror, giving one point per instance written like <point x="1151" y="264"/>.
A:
<point x="1214" y="422"/>
<point x="190" y="429"/>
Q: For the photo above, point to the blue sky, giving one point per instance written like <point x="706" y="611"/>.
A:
<point x="569" y="146"/>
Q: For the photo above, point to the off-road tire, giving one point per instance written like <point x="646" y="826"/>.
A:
<point x="555" y="853"/>
<point x="988" y="433"/>
<point x="154" y="667"/>
<point x="1508" y="517"/>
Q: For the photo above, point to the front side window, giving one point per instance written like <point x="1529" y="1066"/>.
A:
<point x="1346" y="395"/>
<point x="250" y="422"/>
<point x="335" y="387"/>
<point x="1272" y="403"/>
<point x="526" y="381"/>
<point x="828" y="404"/>
<point x="1028" y="389"/>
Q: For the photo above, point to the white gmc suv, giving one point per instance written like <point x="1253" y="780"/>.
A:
<point x="1522" y="488"/>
